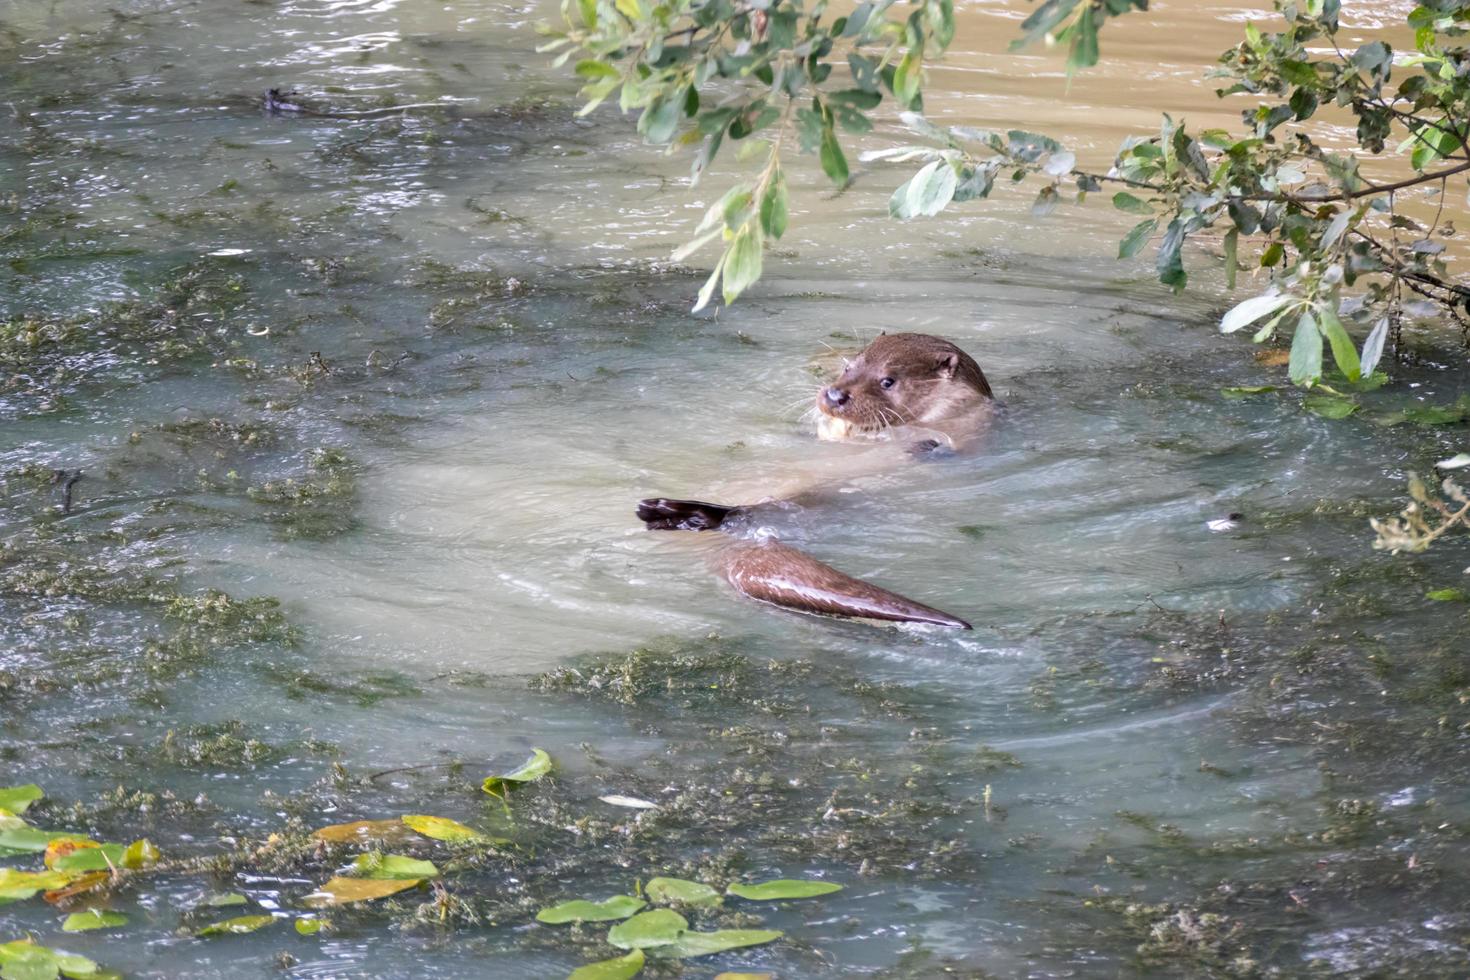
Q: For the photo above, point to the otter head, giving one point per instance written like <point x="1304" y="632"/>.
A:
<point x="902" y="379"/>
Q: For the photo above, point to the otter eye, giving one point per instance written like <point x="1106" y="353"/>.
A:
<point x="887" y="383"/>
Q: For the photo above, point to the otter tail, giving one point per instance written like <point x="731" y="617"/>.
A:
<point x="783" y="576"/>
<point x="663" y="514"/>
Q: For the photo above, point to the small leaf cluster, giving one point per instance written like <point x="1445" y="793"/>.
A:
<point x="1343" y="266"/>
<point x="769" y="76"/>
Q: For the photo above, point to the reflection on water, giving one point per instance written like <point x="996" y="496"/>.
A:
<point x="1162" y="748"/>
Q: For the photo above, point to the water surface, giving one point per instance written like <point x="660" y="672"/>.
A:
<point x="407" y="372"/>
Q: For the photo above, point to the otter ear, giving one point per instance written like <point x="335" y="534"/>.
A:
<point x="947" y="365"/>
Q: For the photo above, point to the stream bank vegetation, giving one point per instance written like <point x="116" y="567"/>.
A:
<point x="1348" y="268"/>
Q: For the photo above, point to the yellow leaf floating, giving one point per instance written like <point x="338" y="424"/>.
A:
<point x="141" y="854"/>
<point x="442" y="828"/>
<point x="360" y="831"/>
<point x="345" y="891"/>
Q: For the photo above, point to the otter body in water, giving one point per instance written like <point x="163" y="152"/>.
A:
<point x="920" y="395"/>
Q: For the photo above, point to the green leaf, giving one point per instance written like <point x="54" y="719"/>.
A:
<point x="236" y="926"/>
<point x="619" y="968"/>
<point x="309" y="927"/>
<point x="93" y="919"/>
<point x="1134" y="241"/>
<point x="834" y="164"/>
<point x="528" y="772"/>
<point x="1084" y="42"/>
<point x="708" y="943"/>
<point x="667" y="890"/>
<point x="856" y="97"/>
<point x="660" y="120"/>
<point x="1248" y="312"/>
<point x="783" y="888"/>
<point x="1437" y="414"/>
<point x="1029" y="147"/>
<point x="607" y="910"/>
<point x="588" y="10"/>
<point x="1434" y="142"/>
<point x="1344" y="354"/>
<point x="103" y="858"/>
<point x="907" y="79"/>
<point x="393" y="866"/>
<point x="591" y="69"/>
<point x="941" y="21"/>
<point x="774" y="207"/>
<point x="21" y="959"/>
<point x="1447" y="595"/>
<point x="1124" y="201"/>
<point x="32" y="840"/>
<point x="1373" y="347"/>
<point x="708" y="289"/>
<point x="646" y="929"/>
<point x="1271" y="255"/>
<point x="17" y="799"/>
<point x="1306" y="351"/>
<point x="926" y="193"/>
<point x="225" y="900"/>
<point x="1244" y="391"/>
<point x="1170" y="264"/>
<point x="743" y="262"/>
<point x="1329" y="406"/>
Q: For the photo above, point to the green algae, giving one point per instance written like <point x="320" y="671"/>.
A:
<point x="316" y="505"/>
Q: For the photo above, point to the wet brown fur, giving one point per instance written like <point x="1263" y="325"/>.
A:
<point x="932" y="381"/>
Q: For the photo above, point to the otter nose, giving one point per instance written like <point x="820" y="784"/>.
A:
<point x="836" y="396"/>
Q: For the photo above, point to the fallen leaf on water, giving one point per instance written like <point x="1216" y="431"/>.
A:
<point x="23" y="959"/>
<point x="16" y="885"/>
<point x="528" y="772"/>
<point x="691" y="944"/>
<point x="681" y="890"/>
<point x="237" y="926"/>
<point x="309" y="927"/>
<point x="345" y="891"/>
<point x="73" y="856"/>
<point x="646" y="929"/>
<point x="631" y="802"/>
<point x="393" y="866"/>
<point x="17" y="799"/>
<point x="80" y="885"/>
<point x="388" y="831"/>
<point x="620" y="968"/>
<point x="141" y="854"/>
<point x="617" y="907"/>
<point x="224" y="900"/>
<point x="442" y="828"/>
<point x="767" y="891"/>
<point x="93" y="919"/>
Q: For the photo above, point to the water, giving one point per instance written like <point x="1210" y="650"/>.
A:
<point x="447" y="353"/>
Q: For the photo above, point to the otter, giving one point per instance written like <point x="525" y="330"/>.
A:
<point x="920" y="396"/>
